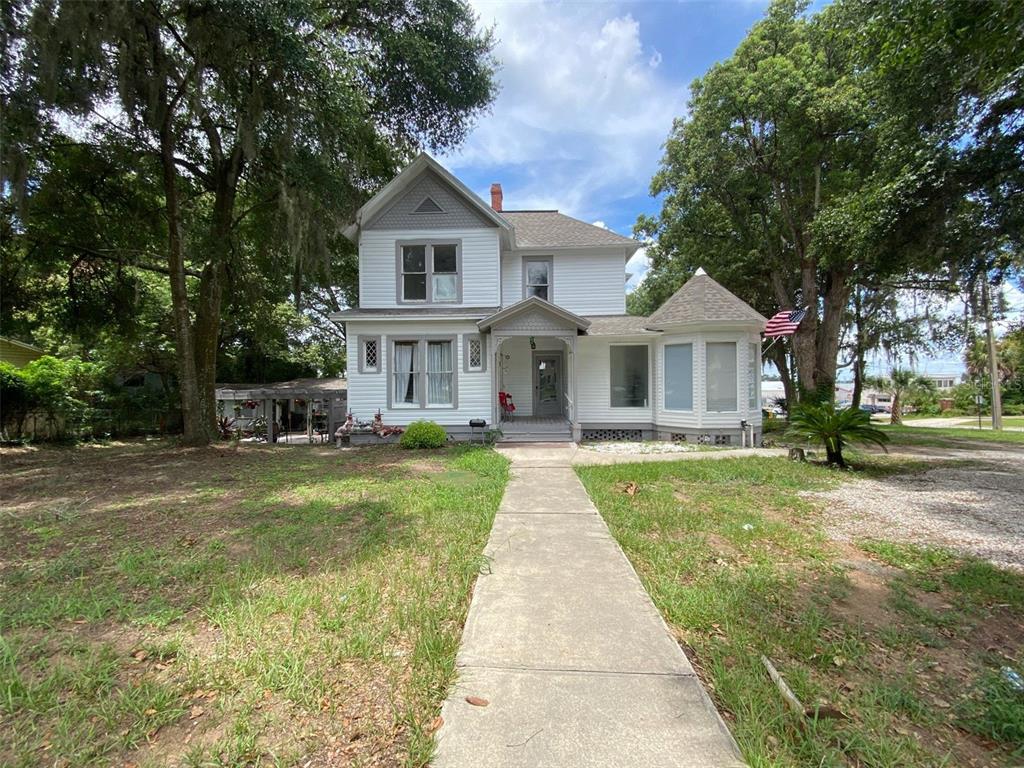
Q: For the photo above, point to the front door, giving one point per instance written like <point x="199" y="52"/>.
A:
<point x="547" y="384"/>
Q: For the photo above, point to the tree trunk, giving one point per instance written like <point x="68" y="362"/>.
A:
<point x="858" y="351"/>
<point x="837" y="296"/>
<point x="780" y="358"/>
<point x="188" y="380"/>
<point x="834" y="455"/>
<point x="896" y="416"/>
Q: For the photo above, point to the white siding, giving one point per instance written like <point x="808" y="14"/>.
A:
<point x="585" y="282"/>
<point x="590" y="284"/>
<point x="377" y="262"/>
<point x="511" y="278"/>
<point x="368" y="391"/>
<point x="593" y="388"/>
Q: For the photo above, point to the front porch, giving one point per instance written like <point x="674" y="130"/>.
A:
<point x="533" y="344"/>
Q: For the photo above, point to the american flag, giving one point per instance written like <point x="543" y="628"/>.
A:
<point x="784" y="323"/>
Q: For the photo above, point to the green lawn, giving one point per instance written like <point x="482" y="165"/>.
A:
<point x="906" y="643"/>
<point x="161" y="606"/>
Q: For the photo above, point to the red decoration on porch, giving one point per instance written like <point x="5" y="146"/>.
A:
<point x="508" y="408"/>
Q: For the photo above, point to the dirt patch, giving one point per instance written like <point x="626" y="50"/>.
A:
<point x="866" y="602"/>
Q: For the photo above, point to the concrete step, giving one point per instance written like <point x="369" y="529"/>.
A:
<point x="537" y="437"/>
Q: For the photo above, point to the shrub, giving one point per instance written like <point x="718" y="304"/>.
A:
<point x="423" y="434"/>
<point x="835" y="429"/>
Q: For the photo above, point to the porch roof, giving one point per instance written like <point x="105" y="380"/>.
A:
<point x="284" y="390"/>
<point x="534" y="304"/>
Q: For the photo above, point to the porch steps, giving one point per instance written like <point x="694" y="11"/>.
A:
<point x="536" y="430"/>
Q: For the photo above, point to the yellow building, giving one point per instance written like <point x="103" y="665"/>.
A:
<point x="18" y="353"/>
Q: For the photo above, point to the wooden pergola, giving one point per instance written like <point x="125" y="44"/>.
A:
<point x="331" y="393"/>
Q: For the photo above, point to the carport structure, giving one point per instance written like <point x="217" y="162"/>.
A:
<point x="304" y="410"/>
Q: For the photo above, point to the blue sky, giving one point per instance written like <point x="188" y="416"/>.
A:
<point x="588" y="92"/>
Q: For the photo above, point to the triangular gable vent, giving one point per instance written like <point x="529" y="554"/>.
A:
<point x="428" y="206"/>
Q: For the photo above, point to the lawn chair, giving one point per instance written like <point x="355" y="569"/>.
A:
<point x="508" y="408"/>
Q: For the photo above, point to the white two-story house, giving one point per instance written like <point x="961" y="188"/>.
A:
<point x="463" y="305"/>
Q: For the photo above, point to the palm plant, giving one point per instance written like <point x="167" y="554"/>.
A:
<point x="822" y="423"/>
<point x="901" y="383"/>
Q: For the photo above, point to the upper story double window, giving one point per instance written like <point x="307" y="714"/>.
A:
<point x="429" y="272"/>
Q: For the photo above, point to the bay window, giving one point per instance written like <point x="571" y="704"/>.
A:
<point x="428" y="272"/>
<point x="678" y="377"/>
<point x="721" y="375"/>
<point x="629" y="379"/>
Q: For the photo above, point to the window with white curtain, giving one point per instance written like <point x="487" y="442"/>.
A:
<point x="440" y="371"/>
<point x="721" y="375"/>
<point x="679" y="377"/>
<point x="629" y="382"/>
<point x="406" y="373"/>
<point x="753" y="377"/>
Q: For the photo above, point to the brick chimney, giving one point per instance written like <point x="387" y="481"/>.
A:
<point x="496" y="197"/>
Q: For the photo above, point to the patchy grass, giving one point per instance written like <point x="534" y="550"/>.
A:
<point x="907" y="643"/>
<point x="948" y="437"/>
<point x="164" y="606"/>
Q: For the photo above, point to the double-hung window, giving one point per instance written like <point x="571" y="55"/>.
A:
<point x="440" y="372"/>
<point x="679" y="377"/>
<point x="537" y="278"/>
<point x="429" y="272"/>
<point x="406" y="373"/>
<point x="629" y="379"/>
<point x="423" y="373"/>
<point x="721" y="376"/>
<point x="753" y="377"/>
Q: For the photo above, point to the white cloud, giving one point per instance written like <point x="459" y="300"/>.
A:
<point x="637" y="267"/>
<point x="582" y="111"/>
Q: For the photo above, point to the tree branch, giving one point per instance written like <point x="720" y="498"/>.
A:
<point x="115" y="258"/>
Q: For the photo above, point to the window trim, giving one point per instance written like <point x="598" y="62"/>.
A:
<point x="428" y="258"/>
<point x="421" y="355"/>
<point x="707" y="369"/>
<point x="693" y="378"/>
<point x="466" y="367"/>
<point x="650" y="374"/>
<point x="361" y="350"/>
<point x="551" y="276"/>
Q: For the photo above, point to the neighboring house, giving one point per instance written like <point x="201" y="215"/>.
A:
<point x="18" y="353"/>
<point x="460" y="301"/>
<point x="943" y="381"/>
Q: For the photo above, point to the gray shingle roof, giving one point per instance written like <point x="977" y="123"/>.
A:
<point x="618" y="325"/>
<point x="702" y="300"/>
<point x="551" y="229"/>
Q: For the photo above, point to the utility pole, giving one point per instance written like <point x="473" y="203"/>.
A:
<point x="993" y="360"/>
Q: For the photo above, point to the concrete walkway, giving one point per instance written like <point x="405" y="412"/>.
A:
<point x="564" y="644"/>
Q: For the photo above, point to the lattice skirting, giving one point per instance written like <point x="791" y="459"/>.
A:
<point x="613" y="434"/>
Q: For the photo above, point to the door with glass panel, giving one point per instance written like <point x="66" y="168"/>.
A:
<point x="547" y="384"/>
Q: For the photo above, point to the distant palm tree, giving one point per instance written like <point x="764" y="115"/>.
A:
<point x="834" y="428"/>
<point x="900" y="383"/>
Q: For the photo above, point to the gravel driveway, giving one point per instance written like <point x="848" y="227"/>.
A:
<point x="977" y="509"/>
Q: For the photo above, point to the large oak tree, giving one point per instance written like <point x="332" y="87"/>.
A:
<point x="277" y="118"/>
